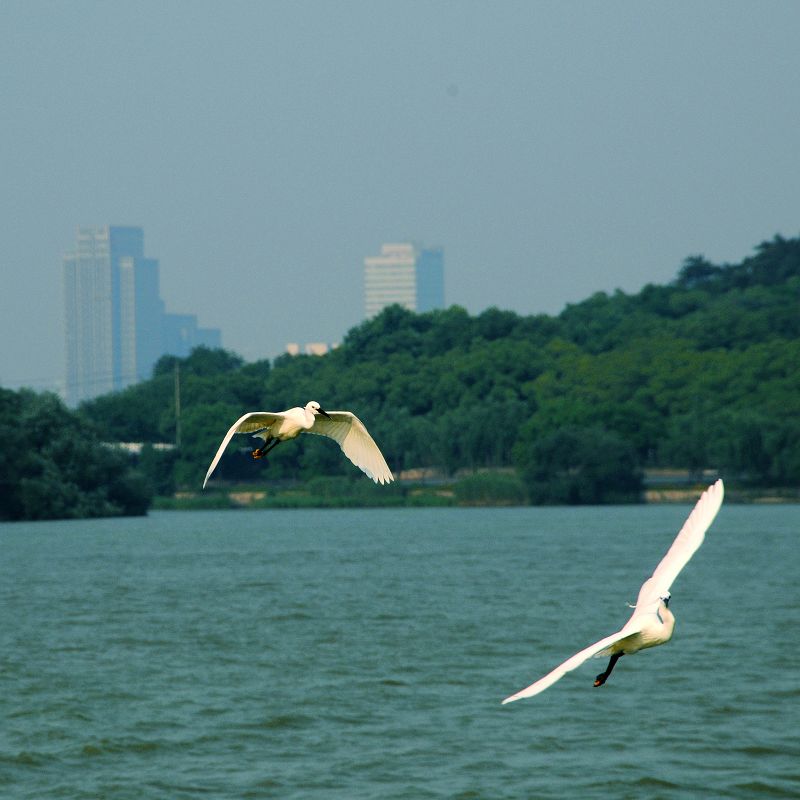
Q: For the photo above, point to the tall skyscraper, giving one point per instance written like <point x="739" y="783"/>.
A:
<point x="140" y="318"/>
<point x="430" y="279"/>
<point x="404" y="274"/>
<point x="116" y="327"/>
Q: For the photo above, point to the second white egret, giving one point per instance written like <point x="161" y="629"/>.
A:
<point x="343" y="427"/>
<point x="652" y="622"/>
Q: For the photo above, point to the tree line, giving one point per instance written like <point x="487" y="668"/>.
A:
<point x="53" y="464"/>
<point x="699" y="373"/>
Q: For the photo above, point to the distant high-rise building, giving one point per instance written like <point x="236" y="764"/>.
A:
<point x="93" y="302"/>
<point x="182" y="335"/>
<point x="141" y="312"/>
<point x="116" y="328"/>
<point x="430" y="279"/>
<point x="404" y="274"/>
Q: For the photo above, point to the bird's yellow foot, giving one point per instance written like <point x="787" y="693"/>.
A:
<point x="257" y="453"/>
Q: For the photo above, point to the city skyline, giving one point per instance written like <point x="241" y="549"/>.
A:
<point x="115" y="323"/>
<point x="553" y="150"/>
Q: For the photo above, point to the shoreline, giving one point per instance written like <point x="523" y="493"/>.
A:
<point x="427" y="497"/>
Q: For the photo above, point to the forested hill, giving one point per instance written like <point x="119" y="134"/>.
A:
<point x="701" y="373"/>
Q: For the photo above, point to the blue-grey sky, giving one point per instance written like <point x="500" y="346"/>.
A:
<point x="553" y="149"/>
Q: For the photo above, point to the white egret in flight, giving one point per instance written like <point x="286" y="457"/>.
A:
<point x="345" y="428"/>
<point x="652" y="622"/>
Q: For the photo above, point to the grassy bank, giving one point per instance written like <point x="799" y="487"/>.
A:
<point x="482" y="489"/>
<point x="489" y="489"/>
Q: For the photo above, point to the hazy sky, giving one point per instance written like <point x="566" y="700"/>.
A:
<point x="552" y="148"/>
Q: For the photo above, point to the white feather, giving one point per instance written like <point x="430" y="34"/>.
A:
<point x="356" y="443"/>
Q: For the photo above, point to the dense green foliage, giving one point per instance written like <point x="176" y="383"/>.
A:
<point x="702" y="373"/>
<point x="52" y="464"/>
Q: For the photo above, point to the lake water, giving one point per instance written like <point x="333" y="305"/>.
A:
<point x="364" y="654"/>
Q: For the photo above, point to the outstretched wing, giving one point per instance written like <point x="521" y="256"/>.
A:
<point x="356" y="443"/>
<point x="632" y="627"/>
<point x="251" y="422"/>
<point x="687" y="541"/>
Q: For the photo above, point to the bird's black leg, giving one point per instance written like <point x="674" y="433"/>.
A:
<point x="603" y="676"/>
<point x="271" y="446"/>
<point x="260" y="452"/>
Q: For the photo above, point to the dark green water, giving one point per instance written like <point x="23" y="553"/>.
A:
<point x="364" y="654"/>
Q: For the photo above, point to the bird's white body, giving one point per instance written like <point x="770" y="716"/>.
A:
<point x="651" y="623"/>
<point x="343" y="427"/>
<point x="650" y="629"/>
<point x="289" y="425"/>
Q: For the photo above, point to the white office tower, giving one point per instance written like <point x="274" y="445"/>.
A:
<point x="404" y="274"/>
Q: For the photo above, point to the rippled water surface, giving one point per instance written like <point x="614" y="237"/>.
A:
<point x="364" y="654"/>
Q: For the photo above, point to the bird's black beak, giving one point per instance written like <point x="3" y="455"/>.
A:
<point x="666" y="601"/>
<point x="323" y="412"/>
